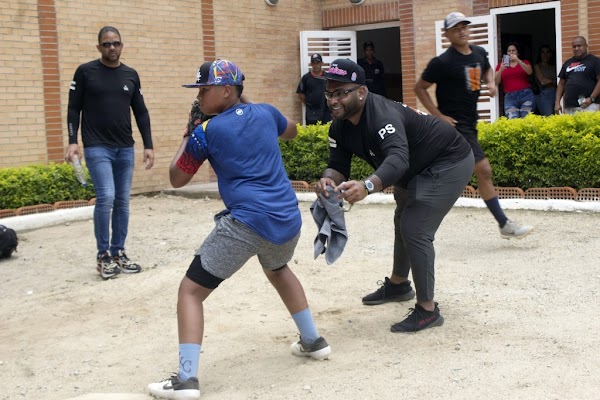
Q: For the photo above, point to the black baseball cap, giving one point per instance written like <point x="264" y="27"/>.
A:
<point x="368" y="44"/>
<point x="345" y="70"/>
<point x="316" y="58"/>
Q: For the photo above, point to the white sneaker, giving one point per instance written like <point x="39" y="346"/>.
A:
<point x="319" y="350"/>
<point x="174" y="389"/>
<point x="513" y="229"/>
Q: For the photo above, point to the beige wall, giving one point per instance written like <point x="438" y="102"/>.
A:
<point x="163" y="41"/>
<point x="264" y="41"/>
<point x="424" y="21"/>
<point x="22" y="130"/>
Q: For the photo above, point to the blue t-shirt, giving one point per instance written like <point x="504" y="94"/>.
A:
<point x="243" y="148"/>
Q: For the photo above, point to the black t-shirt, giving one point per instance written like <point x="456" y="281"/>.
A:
<point x="397" y="141"/>
<point x="458" y="80"/>
<point x="313" y="90"/>
<point x="103" y="97"/>
<point x="374" y="74"/>
<point x="581" y="76"/>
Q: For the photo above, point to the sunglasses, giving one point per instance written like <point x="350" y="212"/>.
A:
<point x="340" y="93"/>
<point x="107" y="45"/>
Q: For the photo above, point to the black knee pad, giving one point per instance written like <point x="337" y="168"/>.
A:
<point x="197" y="274"/>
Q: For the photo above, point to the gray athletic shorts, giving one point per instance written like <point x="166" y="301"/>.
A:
<point x="231" y="244"/>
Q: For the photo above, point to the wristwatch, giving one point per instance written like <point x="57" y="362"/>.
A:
<point x="369" y="186"/>
<point x="593" y="99"/>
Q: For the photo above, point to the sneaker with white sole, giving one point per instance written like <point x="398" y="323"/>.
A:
<point x="175" y="389"/>
<point x="106" y="266"/>
<point x="513" y="229"/>
<point x="319" y="350"/>
<point x="125" y="264"/>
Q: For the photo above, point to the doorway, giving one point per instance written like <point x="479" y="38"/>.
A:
<point x="387" y="50"/>
<point x="530" y="26"/>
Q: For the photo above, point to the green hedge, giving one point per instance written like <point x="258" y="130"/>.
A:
<point x="41" y="184"/>
<point x="306" y="156"/>
<point x="561" y="150"/>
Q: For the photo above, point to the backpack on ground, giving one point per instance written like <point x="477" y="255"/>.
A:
<point x="8" y="241"/>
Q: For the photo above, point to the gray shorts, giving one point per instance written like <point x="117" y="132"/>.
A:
<point x="231" y="244"/>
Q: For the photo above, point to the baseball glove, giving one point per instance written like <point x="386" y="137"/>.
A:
<point x="196" y="117"/>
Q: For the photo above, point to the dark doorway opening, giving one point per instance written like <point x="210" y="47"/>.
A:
<point x="530" y="29"/>
<point x="387" y="50"/>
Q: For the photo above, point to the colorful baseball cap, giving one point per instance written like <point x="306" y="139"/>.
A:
<point x="217" y="73"/>
<point x="455" y="18"/>
<point x="345" y="70"/>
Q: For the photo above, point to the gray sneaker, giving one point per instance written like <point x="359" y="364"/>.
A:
<point x="319" y="350"/>
<point x="125" y="264"/>
<point x="175" y="389"/>
<point x="513" y="229"/>
<point x="106" y="267"/>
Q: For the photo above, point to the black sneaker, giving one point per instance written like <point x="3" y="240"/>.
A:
<point x="125" y="264"/>
<point x="106" y="267"/>
<point x="174" y="388"/>
<point x="419" y="319"/>
<point x="389" y="292"/>
<point x="319" y="350"/>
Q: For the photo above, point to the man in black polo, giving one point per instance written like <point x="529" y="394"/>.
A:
<point x="310" y="92"/>
<point x="373" y="69"/>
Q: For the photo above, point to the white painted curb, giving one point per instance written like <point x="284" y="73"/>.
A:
<point x="509" y="204"/>
<point x="40" y="220"/>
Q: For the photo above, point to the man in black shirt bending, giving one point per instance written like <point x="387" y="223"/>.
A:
<point x="102" y="93"/>
<point x="427" y="161"/>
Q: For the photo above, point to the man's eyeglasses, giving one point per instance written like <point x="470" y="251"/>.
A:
<point x="107" y="45"/>
<point x="340" y="93"/>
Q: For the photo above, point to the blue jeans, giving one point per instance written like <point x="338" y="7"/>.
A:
<point x="519" y="103"/>
<point x="111" y="170"/>
<point x="545" y="101"/>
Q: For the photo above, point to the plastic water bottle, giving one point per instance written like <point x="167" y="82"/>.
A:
<point x="78" y="170"/>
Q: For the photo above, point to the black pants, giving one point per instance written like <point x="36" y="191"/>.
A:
<point x="420" y="209"/>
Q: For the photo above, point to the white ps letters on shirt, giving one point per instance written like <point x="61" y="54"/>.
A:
<point x="389" y="128"/>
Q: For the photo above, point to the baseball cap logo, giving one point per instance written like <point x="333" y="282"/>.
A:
<point x="199" y="77"/>
<point x="337" y="71"/>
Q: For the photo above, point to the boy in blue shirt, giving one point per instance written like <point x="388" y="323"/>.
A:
<point x="261" y="216"/>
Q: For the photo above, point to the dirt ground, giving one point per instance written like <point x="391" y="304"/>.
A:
<point x="522" y="317"/>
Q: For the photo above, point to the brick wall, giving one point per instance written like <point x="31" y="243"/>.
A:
<point x="570" y="26"/>
<point x="22" y="117"/>
<point x="593" y="16"/>
<point x="44" y="41"/>
<point x="164" y="41"/>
